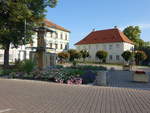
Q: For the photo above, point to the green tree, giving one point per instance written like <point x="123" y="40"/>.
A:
<point x="74" y="54"/>
<point x="133" y="33"/>
<point x="127" y="55"/>
<point x="140" y="56"/>
<point x="84" y="54"/>
<point x="17" y="20"/>
<point x="63" y="56"/>
<point x="102" y="55"/>
<point x="146" y="49"/>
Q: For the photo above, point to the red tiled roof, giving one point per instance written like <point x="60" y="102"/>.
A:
<point x="52" y="25"/>
<point x="105" y="36"/>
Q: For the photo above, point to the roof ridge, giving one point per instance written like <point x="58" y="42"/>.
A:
<point x="104" y="36"/>
<point x="106" y="29"/>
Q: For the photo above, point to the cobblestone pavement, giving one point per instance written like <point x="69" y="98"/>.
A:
<point x="124" y="79"/>
<point x="22" y="96"/>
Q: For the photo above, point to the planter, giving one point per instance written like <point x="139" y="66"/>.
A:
<point x="140" y="76"/>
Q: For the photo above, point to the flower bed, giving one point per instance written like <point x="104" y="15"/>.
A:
<point x="58" y="74"/>
<point x="76" y="81"/>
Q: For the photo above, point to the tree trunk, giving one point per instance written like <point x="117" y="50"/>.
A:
<point x="6" y="56"/>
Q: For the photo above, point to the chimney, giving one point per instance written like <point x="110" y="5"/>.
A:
<point x="93" y="30"/>
<point x="115" y="27"/>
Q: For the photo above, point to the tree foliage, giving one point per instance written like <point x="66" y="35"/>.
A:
<point x="63" y="56"/>
<point x="140" y="56"/>
<point x="127" y="55"/>
<point x="17" y="20"/>
<point x="102" y="55"/>
<point x="74" y="54"/>
<point x="84" y="54"/>
<point x="146" y="49"/>
<point x="133" y="33"/>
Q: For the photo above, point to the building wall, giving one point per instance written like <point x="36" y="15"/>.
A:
<point x="114" y="51"/>
<point x="59" y="38"/>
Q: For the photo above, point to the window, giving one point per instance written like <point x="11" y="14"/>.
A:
<point x="89" y="46"/>
<point x="66" y="47"/>
<point x="51" y="45"/>
<point x="96" y="46"/>
<point x="117" y="45"/>
<point x="110" y="47"/>
<point x="61" y="46"/>
<point x="51" y="35"/>
<point x="117" y="57"/>
<point x="61" y="36"/>
<point x="66" y="37"/>
<point x="110" y="57"/>
<point x="56" y="35"/>
<point x="132" y="48"/>
<point x="78" y="48"/>
<point x="1" y="55"/>
<point x="56" y="46"/>
<point x="104" y="47"/>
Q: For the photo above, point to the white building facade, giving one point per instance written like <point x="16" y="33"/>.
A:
<point x="113" y="41"/>
<point x="56" y="42"/>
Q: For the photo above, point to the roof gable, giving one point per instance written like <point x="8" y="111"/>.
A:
<point x="104" y="36"/>
<point x="52" y="25"/>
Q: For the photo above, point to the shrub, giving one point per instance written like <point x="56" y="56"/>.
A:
<point x="63" y="56"/>
<point x="74" y="54"/>
<point x="27" y="66"/>
<point x="74" y="63"/>
<point x="28" y="76"/>
<point x="127" y="55"/>
<point x="102" y="55"/>
<point x="89" y="67"/>
<point x="140" y="56"/>
<point x="5" y="71"/>
<point x="58" y="66"/>
<point x="84" y="54"/>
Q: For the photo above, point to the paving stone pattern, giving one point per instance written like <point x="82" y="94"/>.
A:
<point x="22" y="96"/>
<point x="124" y="79"/>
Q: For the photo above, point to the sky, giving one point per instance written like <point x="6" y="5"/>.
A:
<point x="82" y="16"/>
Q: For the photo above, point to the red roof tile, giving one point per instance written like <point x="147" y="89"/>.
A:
<point x="52" y="25"/>
<point x="105" y="36"/>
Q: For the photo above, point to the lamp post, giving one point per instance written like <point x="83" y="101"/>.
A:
<point x="132" y="59"/>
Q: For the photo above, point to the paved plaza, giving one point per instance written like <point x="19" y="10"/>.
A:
<point x="119" y="78"/>
<point x="23" y="96"/>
